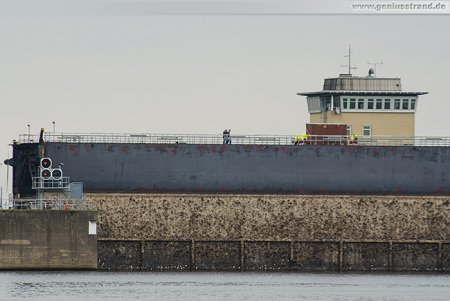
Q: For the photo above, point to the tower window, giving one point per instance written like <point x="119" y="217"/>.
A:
<point x="379" y="104"/>
<point x="405" y="104"/>
<point x="370" y="104"/>
<point x="397" y="104"/>
<point x="352" y="103"/>
<point x="387" y="104"/>
<point x="361" y="104"/>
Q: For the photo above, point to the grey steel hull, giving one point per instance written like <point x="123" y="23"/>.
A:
<point x="251" y="168"/>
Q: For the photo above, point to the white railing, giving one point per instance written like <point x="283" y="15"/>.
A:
<point x="52" y="204"/>
<point x="53" y="184"/>
<point x="74" y="138"/>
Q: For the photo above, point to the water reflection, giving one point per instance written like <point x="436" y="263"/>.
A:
<point x="220" y="286"/>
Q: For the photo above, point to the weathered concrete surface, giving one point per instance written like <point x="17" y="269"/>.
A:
<point x="415" y="257"/>
<point x="445" y="257"/>
<point x="367" y="257"/>
<point x="267" y="255"/>
<point x="50" y="239"/>
<point x="120" y="255"/>
<point x="271" y="217"/>
<point x="274" y="256"/>
<point x="217" y="255"/>
<point x="316" y="257"/>
<point x="165" y="255"/>
<point x="273" y="232"/>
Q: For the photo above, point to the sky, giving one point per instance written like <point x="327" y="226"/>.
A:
<point x="134" y="72"/>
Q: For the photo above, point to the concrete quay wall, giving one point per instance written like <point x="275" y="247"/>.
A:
<point x="47" y="239"/>
<point x="273" y="232"/>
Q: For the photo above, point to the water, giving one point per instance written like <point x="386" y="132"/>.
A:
<point x="188" y="286"/>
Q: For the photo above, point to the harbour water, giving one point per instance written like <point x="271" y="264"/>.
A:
<point x="247" y="286"/>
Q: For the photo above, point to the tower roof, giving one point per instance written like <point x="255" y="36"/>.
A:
<point x="347" y="84"/>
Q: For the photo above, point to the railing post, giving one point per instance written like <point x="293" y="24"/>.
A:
<point x="390" y="256"/>
<point x="242" y="255"/>
<point x="291" y="258"/>
<point x="142" y="254"/>
<point x="192" y="255"/>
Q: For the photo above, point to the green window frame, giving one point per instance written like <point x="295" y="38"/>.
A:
<point x="379" y="104"/>
<point x="405" y="104"/>
<point x="352" y="103"/>
<point x="360" y="103"/>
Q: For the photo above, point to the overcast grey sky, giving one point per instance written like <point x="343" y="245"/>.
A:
<point x="199" y="74"/>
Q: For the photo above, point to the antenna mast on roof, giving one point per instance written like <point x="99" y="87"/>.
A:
<point x="375" y="67"/>
<point x="349" y="61"/>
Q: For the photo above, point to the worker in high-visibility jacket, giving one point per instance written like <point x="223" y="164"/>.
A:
<point x="296" y="140"/>
<point x="304" y="138"/>
<point x="353" y="139"/>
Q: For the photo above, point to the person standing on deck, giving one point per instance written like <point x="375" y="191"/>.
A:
<point x="226" y="136"/>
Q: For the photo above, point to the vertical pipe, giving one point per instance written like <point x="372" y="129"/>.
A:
<point x="192" y="255"/>
<point x="291" y="258"/>
<point x="242" y="256"/>
<point x="391" y="268"/>
<point x="324" y="109"/>
<point x="341" y="256"/>
<point x="439" y="263"/>
<point x="142" y="254"/>
<point x="332" y="106"/>
<point x="7" y="179"/>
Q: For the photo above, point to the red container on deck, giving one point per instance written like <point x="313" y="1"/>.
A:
<point x="326" y="134"/>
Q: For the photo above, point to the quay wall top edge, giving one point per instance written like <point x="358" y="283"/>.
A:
<point x="270" y="196"/>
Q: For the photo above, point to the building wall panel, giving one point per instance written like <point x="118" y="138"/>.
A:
<point x="383" y="124"/>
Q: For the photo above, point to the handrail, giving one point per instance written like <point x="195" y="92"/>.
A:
<point x="52" y="204"/>
<point x="237" y="139"/>
<point x="52" y="184"/>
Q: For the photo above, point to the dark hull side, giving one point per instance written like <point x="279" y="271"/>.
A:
<point x="244" y="168"/>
